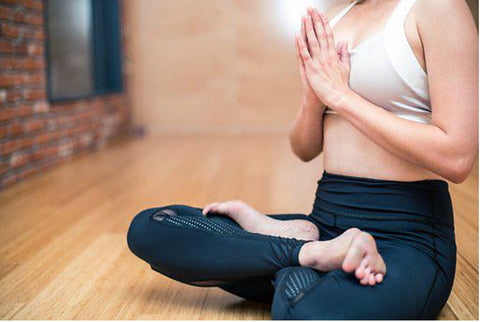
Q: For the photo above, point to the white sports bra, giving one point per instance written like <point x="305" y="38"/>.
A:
<point x="385" y="71"/>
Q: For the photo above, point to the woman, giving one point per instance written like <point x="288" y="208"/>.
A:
<point x="395" y="112"/>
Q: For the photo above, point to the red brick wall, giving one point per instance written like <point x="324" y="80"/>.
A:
<point x="34" y="134"/>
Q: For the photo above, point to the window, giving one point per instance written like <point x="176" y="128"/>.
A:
<point x="83" y="48"/>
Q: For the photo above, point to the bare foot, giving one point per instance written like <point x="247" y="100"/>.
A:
<point x="253" y="221"/>
<point x="363" y="258"/>
<point x="353" y="250"/>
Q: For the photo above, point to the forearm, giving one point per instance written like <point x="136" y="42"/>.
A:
<point x="425" y="145"/>
<point x="306" y="136"/>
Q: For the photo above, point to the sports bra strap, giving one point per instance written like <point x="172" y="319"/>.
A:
<point x="396" y="22"/>
<point x="342" y="13"/>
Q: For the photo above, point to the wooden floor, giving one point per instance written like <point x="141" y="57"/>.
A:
<point x="63" y="253"/>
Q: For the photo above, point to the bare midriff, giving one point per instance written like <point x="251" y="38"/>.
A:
<point x="347" y="151"/>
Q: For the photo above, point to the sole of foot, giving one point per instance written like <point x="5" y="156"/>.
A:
<point x="363" y="259"/>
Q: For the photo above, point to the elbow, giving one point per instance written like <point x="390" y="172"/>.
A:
<point x="460" y="168"/>
<point x="304" y="154"/>
<point x="305" y="157"/>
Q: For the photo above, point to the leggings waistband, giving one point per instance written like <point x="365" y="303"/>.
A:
<point x="376" y="199"/>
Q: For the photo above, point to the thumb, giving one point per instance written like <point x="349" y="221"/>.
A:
<point x="345" y="55"/>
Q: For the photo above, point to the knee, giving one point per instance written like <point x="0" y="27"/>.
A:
<point x="144" y="228"/>
<point x="137" y="239"/>
<point x="147" y="236"/>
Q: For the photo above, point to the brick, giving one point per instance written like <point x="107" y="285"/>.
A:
<point x="6" y="47"/>
<point x="34" y="125"/>
<point x="3" y="131"/>
<point x="10" y="2"/>
<point x="24" y="143"/>
<point x="6" y="114"/>
<point x="34" y="94"/>
<point x="7" y="147"/>
<point x="10" y="31"/>
<point x="44" y="137"/>
<point x="6" y="13"/>
<point x="34" y="49"/>
<point x="33" y="4"/>
<point x="7" y="80"/>
<point x="3" y="168"/>
<point x="23" y="110"/>
<point x="40" y="107"/>
<point x="34" y="64"/>
<point x="21" y="63"/>
<point x="13" y="95"/>
<point x="16" y="128"/>
<point x="36" y="79"/>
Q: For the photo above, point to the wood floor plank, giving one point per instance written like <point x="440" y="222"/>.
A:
<point x="55" y="300"/>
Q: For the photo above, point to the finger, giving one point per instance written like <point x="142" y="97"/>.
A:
<point x="312" y="38"/>
<point x="209" y="207"/>
<point x="303" y="29"/>
<point x="304" y="51"/>
<point x="319" y="30"/>
<point x="345" y="56"/>
<point x="222" y="208"/>
<point x="299" y="56"/>
<point x="328" y="31"/>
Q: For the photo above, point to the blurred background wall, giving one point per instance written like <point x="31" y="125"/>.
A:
<point x="216" y="65"/>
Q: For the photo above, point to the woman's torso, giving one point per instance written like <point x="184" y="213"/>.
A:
<point x="346" y="150"/>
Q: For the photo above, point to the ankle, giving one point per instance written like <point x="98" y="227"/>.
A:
<point x="310" y="253"/>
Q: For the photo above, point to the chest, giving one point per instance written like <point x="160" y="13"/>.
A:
<point x="366" y="24"/>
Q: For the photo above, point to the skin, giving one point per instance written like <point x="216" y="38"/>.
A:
<point x="369" y="135"/>
<point x="362" y="136"/>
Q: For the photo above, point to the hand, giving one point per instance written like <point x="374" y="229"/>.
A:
<point x="327" y="68"/>
<point x="309" y="96"/>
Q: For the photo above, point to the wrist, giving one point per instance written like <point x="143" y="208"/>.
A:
<point x="310" y="103"/>
<point x="343" y="101"/>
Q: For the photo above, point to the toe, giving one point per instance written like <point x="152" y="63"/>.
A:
<point x="360" y="271"/>
<point x="379" y="278"/>
<point x="365" y="280"/>
<point x="380" y="266"/>
<point x="371" y="280"/>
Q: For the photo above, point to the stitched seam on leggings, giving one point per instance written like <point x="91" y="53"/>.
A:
<point x="248" y="235"/>
<point x="435" y="255"/>
<point x="429" y="293"/>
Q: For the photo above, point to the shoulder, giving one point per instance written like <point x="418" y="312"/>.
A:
<point x="439" y="15"/>
<point x="336" y="9"/>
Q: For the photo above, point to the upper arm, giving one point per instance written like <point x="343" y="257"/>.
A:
<point x="450" y="41"/>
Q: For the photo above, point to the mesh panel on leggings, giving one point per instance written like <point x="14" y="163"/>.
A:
<point x="299" y="279"/>
<point x="205" y="224"/>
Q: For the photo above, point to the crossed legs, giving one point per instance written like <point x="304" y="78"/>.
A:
<point x="353" y="251"/>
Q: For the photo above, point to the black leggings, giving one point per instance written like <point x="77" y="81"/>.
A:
<point x="412" y="223"/>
